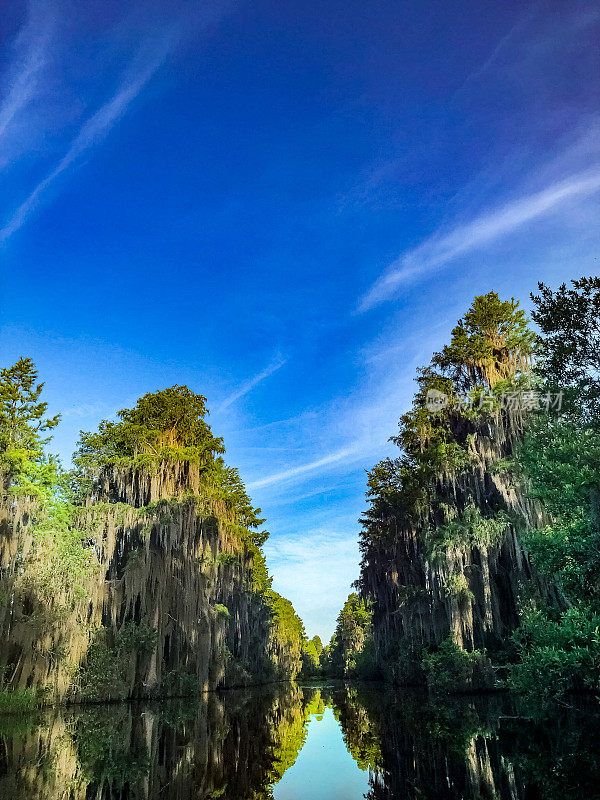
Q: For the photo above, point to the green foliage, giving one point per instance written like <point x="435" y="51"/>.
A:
<point x="18" y="701"/>
<point x="450" y="669"/>
<point x="491" y="342"/>
<point x="60" y="560"/>
<point x="470" y="529"/>
<point x="310" y="659"/>
<point x="22" y="415"/>
<point x="457" y="587"/>
<point x="168" y="425"/>
<point x="560" y="459"/>
<point x="229" y="486"/>
<point x="261" y="580"/>
<point x="570" y="351"/>
<point x="104" y="674"/>
<point x="312" y="650"/>
<point x="228" y="559"/>
<point x="557" y="654"/>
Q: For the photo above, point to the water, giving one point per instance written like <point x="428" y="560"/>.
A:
<point x="304" y="743"/>
<point x="324" y="768"/>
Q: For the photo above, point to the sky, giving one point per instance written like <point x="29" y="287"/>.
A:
<point x="285" y="206"/>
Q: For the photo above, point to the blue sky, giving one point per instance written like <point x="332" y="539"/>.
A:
<point x="285" y="206"/>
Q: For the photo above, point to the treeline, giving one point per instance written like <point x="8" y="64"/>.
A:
<point x="481" y="542"/>
<point x="140" y="571"/>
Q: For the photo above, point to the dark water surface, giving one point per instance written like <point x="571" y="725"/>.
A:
<point x="304" y="743"/>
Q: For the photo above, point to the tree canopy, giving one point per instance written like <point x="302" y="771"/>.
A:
<point x="165" y="425"/>
<point x="569" y="318"/>
<point x="23" y="419"/>
<point x="349" y="650"/>
<point x="491" y="342"/>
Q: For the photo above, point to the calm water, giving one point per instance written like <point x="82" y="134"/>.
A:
<point x="293" y="743"/>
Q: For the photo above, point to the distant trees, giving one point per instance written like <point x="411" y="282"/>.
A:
<point x="287" y="636"/>
<point x="312" y="650"/>
<point x="350" y="651"/>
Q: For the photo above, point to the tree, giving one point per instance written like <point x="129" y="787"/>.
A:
<point x="351" y="636"/>
<point x="490" y="343"/>
<point x="560" y="454"/>
<point x="311" y="661"/>
<point x="560" y="458"/>
<point x="287" y="635"/>
<point x="25" y="468"/>
<point x="165" y="425"/>
<point x="232" y="489"/>
<point x="570" y="321"/>
<point x="22" y="413"/>
<point x="317" y="644"/>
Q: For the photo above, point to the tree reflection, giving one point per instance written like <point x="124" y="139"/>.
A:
<point x="238" y="744"/>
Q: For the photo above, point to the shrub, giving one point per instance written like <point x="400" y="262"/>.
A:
<point x="451" y="669"/>
<point x="17" y="701"/>
<point x="557" y="655"/>
<point x="104" y="674"/>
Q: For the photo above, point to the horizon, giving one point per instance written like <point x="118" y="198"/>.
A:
<point x="287" y="210"/>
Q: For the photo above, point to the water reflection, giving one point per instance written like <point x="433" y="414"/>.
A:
<point x="324" y="768"/>
<point x="288" y="743"/>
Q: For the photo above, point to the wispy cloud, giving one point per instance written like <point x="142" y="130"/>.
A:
<point x="440" y="249"/>
<point x="479" y="73"/>
<point x="30" y="56"/>
<point x="294" y="472"/>
<point x="248" y="385"/>
<point x="317" y="594"/>
<point x="351" y="432"/>
<point x="149" y="58"/>
<point x="87" y="410"/>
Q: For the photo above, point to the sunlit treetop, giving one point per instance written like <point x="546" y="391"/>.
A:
<point x="165" y="425"/>
<point x="23" y="420"/>
<point x="490" y="343"/>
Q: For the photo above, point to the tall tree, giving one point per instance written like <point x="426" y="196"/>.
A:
<point x="570" y="352"/>
<point x="22" y="413"/>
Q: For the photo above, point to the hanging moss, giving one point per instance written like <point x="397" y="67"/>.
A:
<point x="469" y="529"/>
<point x="154" y="581"/>
<point x="441" y="555"/>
